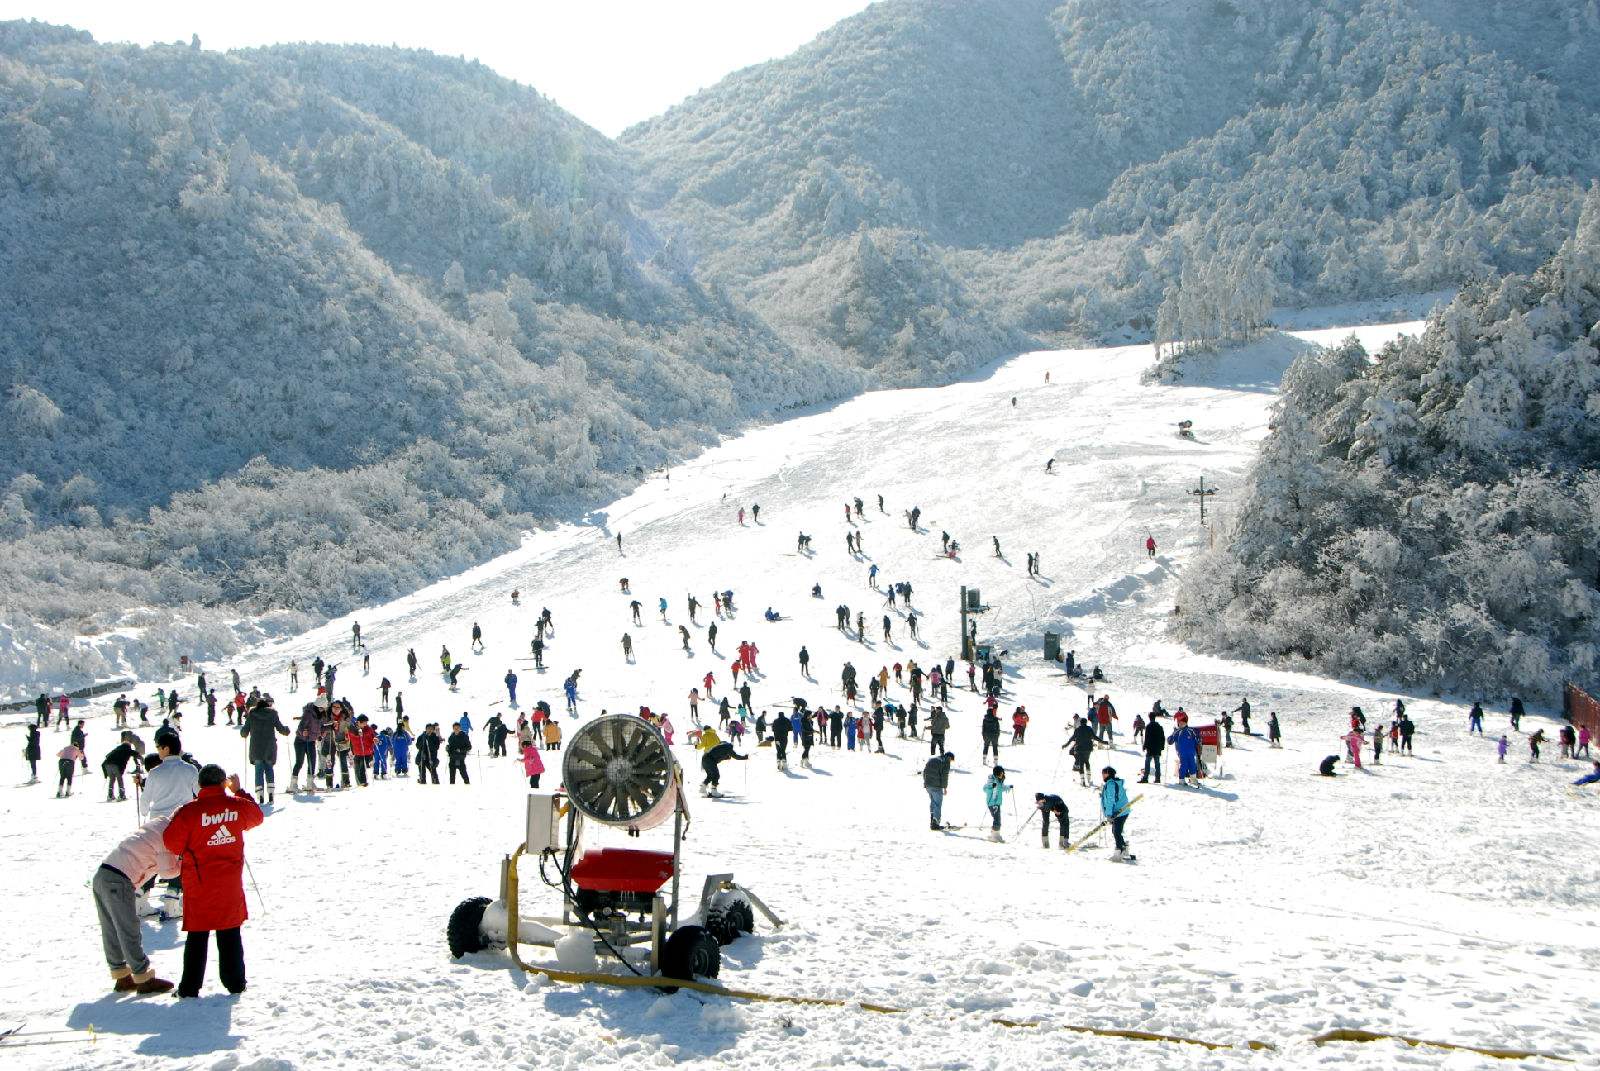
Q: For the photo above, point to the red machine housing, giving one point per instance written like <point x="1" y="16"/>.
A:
<point x="623" y="870"/>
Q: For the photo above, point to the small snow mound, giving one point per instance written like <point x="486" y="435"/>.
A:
<point x="575" y="952"/>
<point x="723" y="1017"/>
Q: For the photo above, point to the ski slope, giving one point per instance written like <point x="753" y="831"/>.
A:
<point x="1438" y="895"/>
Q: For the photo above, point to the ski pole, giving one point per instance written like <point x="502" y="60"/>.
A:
<point x="253" y="884"/>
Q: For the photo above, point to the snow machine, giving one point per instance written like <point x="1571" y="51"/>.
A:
<point x="618" y="772"/>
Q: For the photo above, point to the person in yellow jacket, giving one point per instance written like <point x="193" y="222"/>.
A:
<point x="552" y="735"/>
<point x="708" y="739"/>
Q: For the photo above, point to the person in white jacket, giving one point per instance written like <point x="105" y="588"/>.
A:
<point x="139" y="858"/>
<point x="165" y="787"/>
<point x="172" y="783"/>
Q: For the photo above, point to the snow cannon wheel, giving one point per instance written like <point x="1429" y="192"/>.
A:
<point x="464" y="931"/>
<point x="690" y="953"/>
<point x="729" y="918"/>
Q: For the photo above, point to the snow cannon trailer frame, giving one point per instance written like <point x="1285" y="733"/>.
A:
<point x="617" y="771"/>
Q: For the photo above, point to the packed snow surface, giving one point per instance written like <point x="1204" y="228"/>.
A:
<point x="1439" y="895"/>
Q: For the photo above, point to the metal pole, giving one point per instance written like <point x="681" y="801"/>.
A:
<point x="965" y="643"/>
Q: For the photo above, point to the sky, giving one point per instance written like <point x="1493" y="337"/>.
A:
<point x="612" y="63"/>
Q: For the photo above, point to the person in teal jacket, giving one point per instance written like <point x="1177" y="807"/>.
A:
<point x="994" y="792"/>
<point x="1114" y="807"/>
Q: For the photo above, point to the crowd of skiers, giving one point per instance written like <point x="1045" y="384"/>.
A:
<point x="335" y="748"/>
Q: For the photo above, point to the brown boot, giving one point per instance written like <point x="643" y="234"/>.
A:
<point x="122" y="980"/>
<point x="148" y="984"/>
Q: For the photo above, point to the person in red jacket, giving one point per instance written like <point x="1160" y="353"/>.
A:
<point x="363" y="743"/>
<point x="207" y="836"/>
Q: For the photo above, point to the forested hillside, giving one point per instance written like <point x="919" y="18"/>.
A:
<point x="303" y="327"/>
<point x="1432" y="515"/>
<point x="1099" y="168"/>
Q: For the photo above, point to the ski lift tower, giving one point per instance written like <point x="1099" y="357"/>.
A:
<point x="971" y="605"/>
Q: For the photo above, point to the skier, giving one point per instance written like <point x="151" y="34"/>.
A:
<point x="1050" y="466"/>
<point x="805" y="663"/>
<point x="1517" y="711"/>
<point x="1049" y="805"/>
<point x="411" y="662"/>
<point x="570" y="688"/>
<point x="807" y="736"/>
<point x="532" y="764"/>
<point x="67" y="760"/>
<point x="994" y="791"/>
<point x="1150" y="546"/>
<point x="938" y="725"/>
<point x="258" y="727"/>
<point x="1187" y="743"/>
<point x="1155" y="742"/>
<point x="538" y="653"/>
<point x="1080" y="747"/>
<point x="511" y="688"/>
<point x="1475" y="719"/>
<point x="428" y="754"/>
<point x="935" y="779"/>
<point x="990" y="732"/>
<point x="1243" y="710"/>
<point x="711" y="634"/>
<point x="710" y="761"/>
<point x="1114" y="808"/>
<point x="627" y="647"/>
<point x="1352" y="741"/>
<point x="755" y="512"/>
<point x="207" y="837"/>
<point x="456" y="749"/>
<point x="1534" y="740"/>
<point x="477" y="638"/>
<point x="634" y="606"/>
<point x="1104" y="714"/>
<point x="355" y="636"/>
<point x="1325" y="768"/>
<point x="683" y="635"/>
<point x="781" y="728"/>
<point x="1502" y="747"/>
<point x="1592" y="777"/>
<point x="140" y="858"/>
<point x="1274" y="732"/>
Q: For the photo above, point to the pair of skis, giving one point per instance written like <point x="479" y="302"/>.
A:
<point x="1103" y="823"/>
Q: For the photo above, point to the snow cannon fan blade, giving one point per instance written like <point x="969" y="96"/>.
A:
<point x="619" y="771"/>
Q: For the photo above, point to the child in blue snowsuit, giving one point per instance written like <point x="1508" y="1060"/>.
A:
<point x="1187" y="743"/>
<point x="380" y="754"/>
<point x="400" y="742"/>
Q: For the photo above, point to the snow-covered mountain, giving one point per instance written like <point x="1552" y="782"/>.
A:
<point x="1063" y="167"/>
<point x="295" y="328"/>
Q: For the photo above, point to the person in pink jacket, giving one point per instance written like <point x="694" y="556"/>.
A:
<point x="532" y="764"/>
<point x="1353" y="740"/>
<point x="133" y="862"/>
<point x="666" y="727"/>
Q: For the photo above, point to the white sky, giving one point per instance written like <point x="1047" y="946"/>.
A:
<point x="609" y="62"/>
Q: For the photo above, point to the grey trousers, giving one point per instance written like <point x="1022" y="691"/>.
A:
<point x="119" y="922"/>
